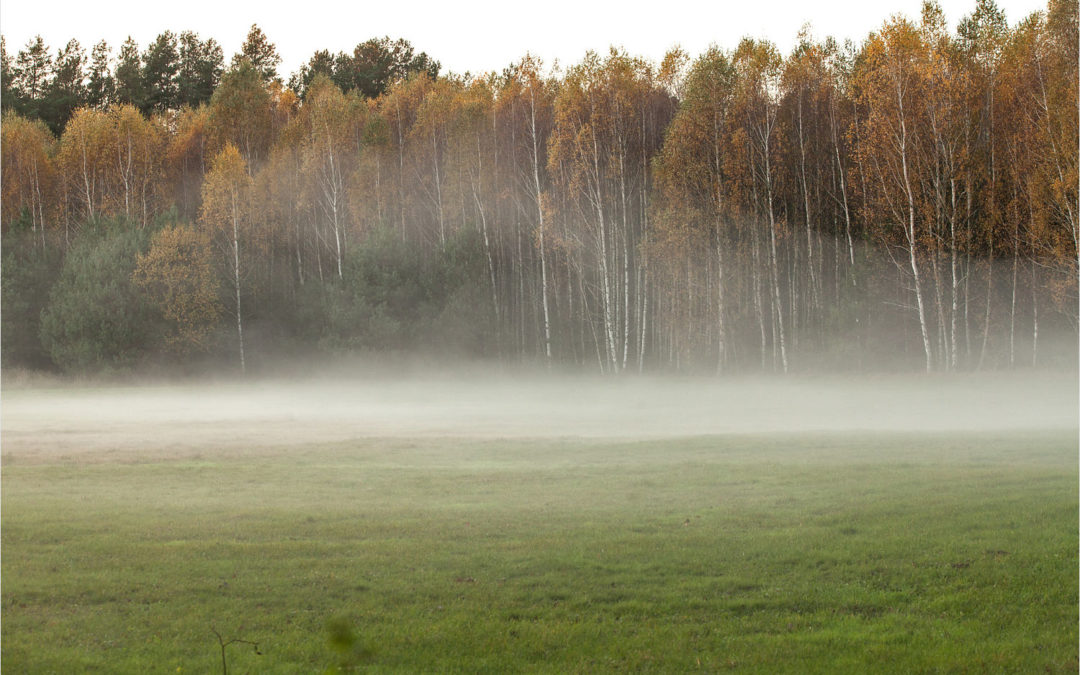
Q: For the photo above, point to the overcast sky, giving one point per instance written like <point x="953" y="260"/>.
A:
<point x="474" y="35"/>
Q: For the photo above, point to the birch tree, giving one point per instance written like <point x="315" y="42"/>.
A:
<point x="225" y="212"/>
<point x="889" y="86"/>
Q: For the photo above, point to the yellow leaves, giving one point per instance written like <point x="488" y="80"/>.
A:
<point x="283" y="103"/>
<point x="175" y="274"/>
<point x="435" y="112"/>
<point x="759" y="66"/>
<point x="111" y="160"/>
<point x="690" y="167"/>
<point x="27" y="169"/>
<point x="137" y="145"/>
<point x="599" y="110"/>
<point x="328" y="117"/>
<point x="673" y="71"/>
<point x="82" y="156"/>
<point x="226" y="192"/>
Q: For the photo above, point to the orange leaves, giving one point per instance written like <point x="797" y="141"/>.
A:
<point x="27" y="167"/>
<point x="601" y="114"/>
<point x="889" y="85"/>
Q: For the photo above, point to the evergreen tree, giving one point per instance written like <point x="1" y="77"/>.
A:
<point x="8" y="97"/>
<point x="100" y="88"/>
<point x="262" y="54"/>
<point x="378" y="63"/>
<point x="240" y="113"/>
<point x="161" y="63"/>
<point x="66" y="90"/>
<point x="128" y="77"/>
<point x="31" y="76"/>
<point x="371" y="69"/>
<point x="321" y="62"/>
<point x="97" y="318"/>
<point x="201" y="65"/>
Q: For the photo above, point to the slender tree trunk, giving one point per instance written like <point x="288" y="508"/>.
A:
<point x="438" y="188"/>
<point x="911" y="239"/>
<point x="955" y="285"/>
<point x="236" y="283"/>
<point x="401" y="170"/>
<point x="645" y="316"/>
<point x="540" y="219"/>
<point x="772" y="261"/>
<point x="986" y="314"/>
<point x="318" y="243"/>
<point x="626" y="263"/>
<point x="759" y="308"/>
<point x="37" y="206"/>
<point x="967" y="309"/>
<point x="520" y="266"/>
<point x="813" y="296"/>
<point x="643" y="288"/>
<point x="847" y="215"/>
<point x="609" y="328"/>
<point x="484" y="229"/>
<point x="1012" y="303"/>
<point x="87" y="183"/>
<point x="939" y="303"/>
<point x="299" y="258"/>
<point x="124" y="169"/>
<point x="337" y="230"/>
<point x="721" y="335"/>
<point x="1034" y="316"/>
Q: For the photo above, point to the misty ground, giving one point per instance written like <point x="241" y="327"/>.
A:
<point x="503" y="522"/>
<point x="50" y="418"/>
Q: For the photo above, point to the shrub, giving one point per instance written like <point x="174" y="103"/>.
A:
<point x="96" y="318"/>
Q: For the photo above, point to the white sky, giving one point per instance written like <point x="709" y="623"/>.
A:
<point x="466" y="35"/>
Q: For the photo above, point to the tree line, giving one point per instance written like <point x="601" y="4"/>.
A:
<point x="912" y="199"/>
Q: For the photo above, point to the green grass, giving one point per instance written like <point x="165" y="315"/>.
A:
<point x="784" y="553"/>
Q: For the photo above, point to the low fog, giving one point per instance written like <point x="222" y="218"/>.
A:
<point x="84" y="422"/>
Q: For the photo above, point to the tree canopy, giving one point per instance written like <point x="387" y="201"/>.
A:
<point x="910" y="200"/>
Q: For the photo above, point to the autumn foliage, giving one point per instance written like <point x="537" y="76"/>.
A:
<point x="913" y="197"/>
<point x="177" y="276"/>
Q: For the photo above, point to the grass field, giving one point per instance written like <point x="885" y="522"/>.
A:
<point x="824" y="552"/>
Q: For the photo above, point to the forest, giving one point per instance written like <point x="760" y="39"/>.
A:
<point x="905" y="203"/>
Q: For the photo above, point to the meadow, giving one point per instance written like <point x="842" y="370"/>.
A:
<point x="815" y="551"/>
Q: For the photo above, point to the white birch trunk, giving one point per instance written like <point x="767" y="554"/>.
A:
<point x="540" y="218"/>
<point x="236" y="282"/>
<point x="911" y="240"/>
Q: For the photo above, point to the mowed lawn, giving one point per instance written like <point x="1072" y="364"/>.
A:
<point x="759" y="553"/>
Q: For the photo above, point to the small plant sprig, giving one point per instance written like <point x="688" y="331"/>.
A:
<point x="225" y="643"/>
